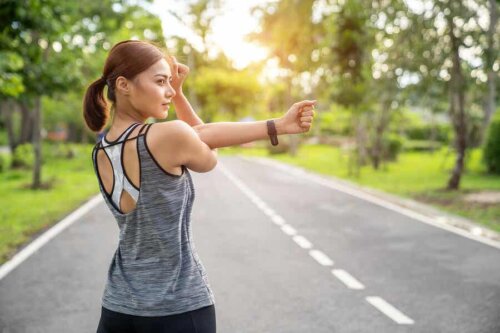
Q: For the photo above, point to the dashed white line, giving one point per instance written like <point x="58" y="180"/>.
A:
<point x="346" y="278"/>
<point x="288" y="229"/>
<point x="278" y="220"/>
<point x="302" y="242"/>
<point x="269" y="212"/>
<point x="321" y="258"/>
<point x="389" y="310"/>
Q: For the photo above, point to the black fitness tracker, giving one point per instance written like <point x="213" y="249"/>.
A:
<point x="271" y="131"/>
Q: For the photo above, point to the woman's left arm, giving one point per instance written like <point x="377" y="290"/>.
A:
<point x="183" y="108"/>
<point x="184" y="111"/>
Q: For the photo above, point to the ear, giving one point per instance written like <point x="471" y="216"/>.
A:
<point x="123" y="85"/>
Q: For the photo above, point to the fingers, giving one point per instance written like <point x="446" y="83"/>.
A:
<point x="183" y="69"/>
<point x="306" y="125"/>
<point x="179" y="69"/>
<point x="305" y="103"/>
<point x="307" y="111"/>
<point x="175" y="65"/>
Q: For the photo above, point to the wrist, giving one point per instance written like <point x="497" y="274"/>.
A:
<point x="280" y="128"/>
<point x="178" y="97"/>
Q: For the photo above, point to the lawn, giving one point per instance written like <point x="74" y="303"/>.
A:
<point x="25" y="213"/>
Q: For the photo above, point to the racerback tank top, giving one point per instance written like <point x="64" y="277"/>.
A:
<point x="155" y="270"/>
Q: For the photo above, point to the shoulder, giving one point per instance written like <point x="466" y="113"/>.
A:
<point x="171" y="139"/>
<point x="174" y="131"/>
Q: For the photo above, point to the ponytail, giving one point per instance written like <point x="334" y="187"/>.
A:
<point x="95" y="108"/>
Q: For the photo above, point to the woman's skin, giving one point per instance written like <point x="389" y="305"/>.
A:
<point x="147" y="94"/>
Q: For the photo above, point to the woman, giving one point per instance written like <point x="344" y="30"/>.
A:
<point x="156" y="281"/>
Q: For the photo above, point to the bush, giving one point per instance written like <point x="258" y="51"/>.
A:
<point x="423" y="132"/>
<point x="64" y="150"/>
<point x="421" y="145"/>
<point x="4" y="162"/>
<point x="282" y="147"/>
<point x="57" y="150"/>
<point x="491" y="150"/>
<point x="392" y="146"/>
<point x="23" y="156"/>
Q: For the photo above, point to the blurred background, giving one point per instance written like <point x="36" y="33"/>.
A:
<point x="407" y="93"/>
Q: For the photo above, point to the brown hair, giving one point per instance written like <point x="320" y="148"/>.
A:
<point x="126" y="58"/>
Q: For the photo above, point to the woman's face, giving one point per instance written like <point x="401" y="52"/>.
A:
<point x="150" y="92"/>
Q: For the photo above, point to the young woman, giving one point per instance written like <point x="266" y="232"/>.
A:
<point x="156" y="281"/>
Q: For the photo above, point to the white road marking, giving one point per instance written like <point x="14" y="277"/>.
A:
<point x="269" y="212"/>
<point x="44" y="238"/>
<point x="302" y="242"/>
<point x="278" y="220"/>
<point x="389" y="310"/>
<point x="347" y="279"/>
<point x="288" y="229"/>
<point x="321" y="257"/>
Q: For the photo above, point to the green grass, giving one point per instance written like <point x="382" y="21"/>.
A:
<point x="25" y="213"/>
<point x="417" y="175"/>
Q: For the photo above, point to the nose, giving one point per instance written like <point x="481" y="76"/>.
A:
<point x="170" y="92"/>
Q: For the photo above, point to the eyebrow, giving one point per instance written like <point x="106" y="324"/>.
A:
<point x="164" y="75"/>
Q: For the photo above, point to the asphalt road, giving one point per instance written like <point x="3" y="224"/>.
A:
<point x="283" y="254"/>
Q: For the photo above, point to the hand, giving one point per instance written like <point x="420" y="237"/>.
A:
<point x="298" y="119"/>
<point x="179" y="74"/>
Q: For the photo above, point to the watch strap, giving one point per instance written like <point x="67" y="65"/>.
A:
<point x="271" y="131"/>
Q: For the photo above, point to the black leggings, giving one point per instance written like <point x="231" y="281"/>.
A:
<point x="201" y="320"/>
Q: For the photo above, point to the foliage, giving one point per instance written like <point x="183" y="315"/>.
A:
<point x="392" y="145"/>
<point x="4" y="162"/>
<point x="491" y="150"/>
<point x="421" y="145"/>
<point x="23" y="156"/>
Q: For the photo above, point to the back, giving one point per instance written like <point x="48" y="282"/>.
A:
<point x="155" y="270"/>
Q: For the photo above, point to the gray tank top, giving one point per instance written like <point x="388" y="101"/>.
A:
<point x="155" y="270"/>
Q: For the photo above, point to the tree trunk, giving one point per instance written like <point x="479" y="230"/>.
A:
<point x="377" y="150"/>
<point x="26" y="134"/>
<point x="354" y="162"/>
<point x="457" y="112"/>
<point x="37" y="149"/>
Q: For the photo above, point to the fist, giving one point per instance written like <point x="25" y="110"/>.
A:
<point x="298" y="119"/>
<point x="179" y="73"/>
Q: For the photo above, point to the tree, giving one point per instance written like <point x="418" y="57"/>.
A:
<point x="426" y="45"/>
<point x="51" y="37"/>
